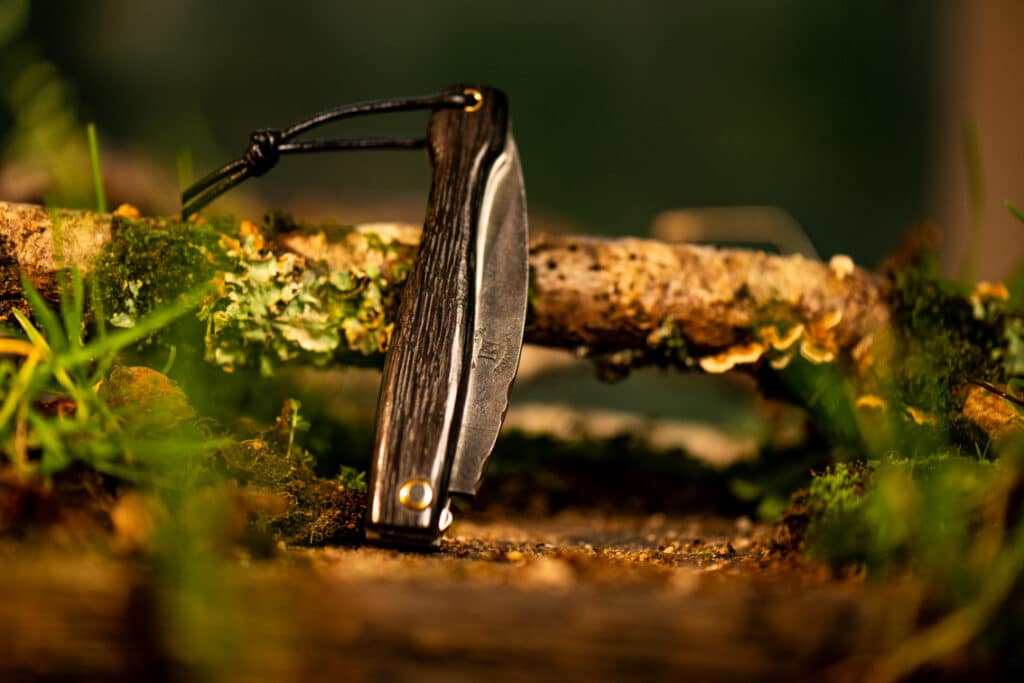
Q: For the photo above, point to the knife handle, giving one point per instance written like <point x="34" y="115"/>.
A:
<point x="423" y="387"/>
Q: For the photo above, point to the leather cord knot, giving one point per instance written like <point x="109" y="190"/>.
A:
<point x="268" y="144"/>
<point x="263" y="151"/>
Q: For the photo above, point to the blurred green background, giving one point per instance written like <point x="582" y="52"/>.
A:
<point x="621" y="110"/>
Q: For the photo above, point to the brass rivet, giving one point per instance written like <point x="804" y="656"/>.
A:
<point x="478" y="99"/>
<point x="416" y="494"/>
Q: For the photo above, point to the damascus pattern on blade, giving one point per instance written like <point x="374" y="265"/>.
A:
<point x="499" y="317"/>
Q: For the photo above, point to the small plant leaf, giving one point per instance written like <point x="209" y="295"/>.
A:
<point x="47" y="319"/>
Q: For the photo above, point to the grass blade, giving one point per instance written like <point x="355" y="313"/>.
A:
<point x="98" y="313"/>
<point x="60" y="373"/>
<point x="34" y="335"/>
<point x="19" y="386"/>
<point x="72" y="303"/>
<point x="97" y="174"/>
<point x="99" y="316"/>
<point x="118" y="340"/>
<point x="166" y="370"/>
<point x="55" y="457"/>
<point x="46" y="318"/>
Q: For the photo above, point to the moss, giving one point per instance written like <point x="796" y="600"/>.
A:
<point x="139" y="393"/>
<point x="826" y="517"/>
<point x="930" y="319"/>
<point x="942" y="337"/>
<point x="947" y="336"/>
<point x="892" y="511"/>
<point x="316" y="511"/>
<point x="152" y="263"/>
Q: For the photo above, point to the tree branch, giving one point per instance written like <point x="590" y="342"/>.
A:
<point x="319" y="294"/>
<point x="607" y="295"/>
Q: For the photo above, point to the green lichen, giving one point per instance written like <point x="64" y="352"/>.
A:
<point x="270" y="309"/>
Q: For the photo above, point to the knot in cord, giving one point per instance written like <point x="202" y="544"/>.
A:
<point x="263" y="151"/>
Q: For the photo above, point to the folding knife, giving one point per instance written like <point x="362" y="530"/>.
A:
<point x="459" y="330"/>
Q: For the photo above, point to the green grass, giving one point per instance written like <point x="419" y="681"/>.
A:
<point x="57" y="366"/>
<point x="97" y="173"/>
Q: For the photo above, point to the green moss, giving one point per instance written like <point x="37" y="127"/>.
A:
<point x="941" y="338"/>
<point x="840" y="488"/>
<point x="315" y="511"/>
<point x="352" y="479"/>
<point x="930" y="319"/>
<point x="947" y="336"/>
<point x="151" y="263"/>
<point x="895" y="510"/>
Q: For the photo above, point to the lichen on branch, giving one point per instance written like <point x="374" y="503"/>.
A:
<point x="883" y="347"/>
<point x="270" y="308"/>
<point x="676" y="303"/>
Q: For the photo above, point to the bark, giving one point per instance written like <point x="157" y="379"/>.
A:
<point x="29" y="247"/>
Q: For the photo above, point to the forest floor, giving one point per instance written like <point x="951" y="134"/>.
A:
<point x="577" y="594"/>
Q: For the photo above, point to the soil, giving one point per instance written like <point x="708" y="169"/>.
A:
<point x="572" y="595"/>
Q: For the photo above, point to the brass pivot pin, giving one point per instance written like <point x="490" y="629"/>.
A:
<point x="476" y="96"/>
<point x="416" y="494"/>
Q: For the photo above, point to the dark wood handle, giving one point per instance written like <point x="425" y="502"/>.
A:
<point x="422" y="390"/>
